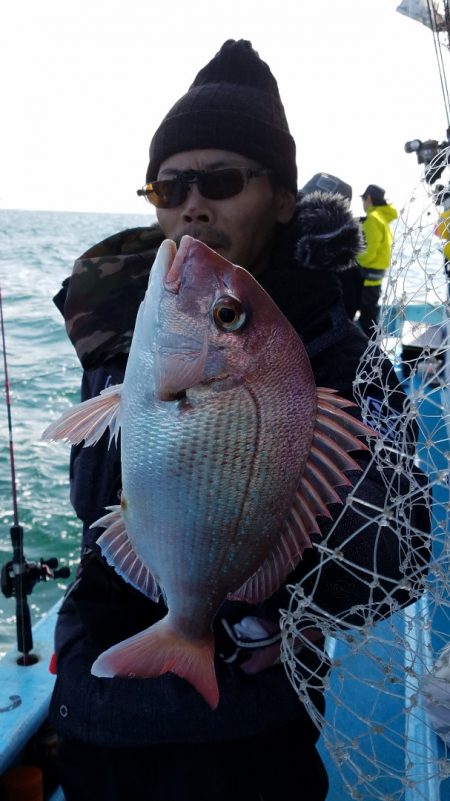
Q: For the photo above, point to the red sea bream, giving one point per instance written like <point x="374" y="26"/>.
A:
<point x="229" y="453"/>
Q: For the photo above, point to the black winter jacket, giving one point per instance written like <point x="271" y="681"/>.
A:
<point x="101" y="609"/>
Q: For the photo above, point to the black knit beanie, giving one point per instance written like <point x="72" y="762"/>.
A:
<point x="233" y="104"/>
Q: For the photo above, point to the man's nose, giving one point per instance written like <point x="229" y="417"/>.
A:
<point x="196" y="207"/>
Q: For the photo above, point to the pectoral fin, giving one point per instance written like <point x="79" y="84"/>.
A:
<point x="89" y="420"/>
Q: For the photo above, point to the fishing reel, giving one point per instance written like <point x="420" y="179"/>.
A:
<point x="17" y="579"/>
<point x="30" y="573"/>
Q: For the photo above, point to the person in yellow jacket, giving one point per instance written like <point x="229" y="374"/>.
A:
<point x="443" y="231"/>
<point x="375" y="260"/>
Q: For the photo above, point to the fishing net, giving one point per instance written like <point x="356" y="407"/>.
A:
<point x="386" y="727"/>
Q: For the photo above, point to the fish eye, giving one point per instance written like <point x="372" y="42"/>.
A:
<point x="229" y="313"/>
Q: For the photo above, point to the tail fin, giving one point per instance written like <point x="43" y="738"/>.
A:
<point x="158" y="650"/>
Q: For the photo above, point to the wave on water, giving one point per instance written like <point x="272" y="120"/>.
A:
<point x="37" y="251"/>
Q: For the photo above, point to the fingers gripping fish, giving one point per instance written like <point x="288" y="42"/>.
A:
<point x="229" y="454"/>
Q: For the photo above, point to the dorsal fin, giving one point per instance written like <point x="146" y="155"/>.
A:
<point x="335" y="432"/>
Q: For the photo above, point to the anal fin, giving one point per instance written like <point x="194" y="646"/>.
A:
<point x="118" y="551"/>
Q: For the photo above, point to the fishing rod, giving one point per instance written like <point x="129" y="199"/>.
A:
<point x="18" y="576"/>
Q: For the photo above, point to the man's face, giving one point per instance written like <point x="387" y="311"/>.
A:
<point x="240" y="228"/>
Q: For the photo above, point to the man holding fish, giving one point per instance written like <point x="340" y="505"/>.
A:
<point x="228" y="376"/>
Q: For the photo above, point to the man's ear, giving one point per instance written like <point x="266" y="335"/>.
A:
<point x="285" y="202"/>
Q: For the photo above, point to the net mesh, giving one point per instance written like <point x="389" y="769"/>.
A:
<point x="386" y="728"/>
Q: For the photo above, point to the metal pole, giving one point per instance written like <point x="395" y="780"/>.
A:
<point x="20" y="580"/>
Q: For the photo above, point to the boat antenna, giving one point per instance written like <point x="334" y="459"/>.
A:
<point x="437" y="27"/>
<point x="18" y="576"/>
<point x="19" y="567"/>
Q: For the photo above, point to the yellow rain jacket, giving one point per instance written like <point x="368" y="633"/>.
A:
<point x="443" y="230"/>
<point x="376" y="258"/>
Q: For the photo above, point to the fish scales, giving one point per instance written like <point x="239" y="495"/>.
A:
<point x="193" y="472"/>
<point x="219" y="424"/>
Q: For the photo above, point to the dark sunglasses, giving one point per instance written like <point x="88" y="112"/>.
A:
<point x="216" y="185"/>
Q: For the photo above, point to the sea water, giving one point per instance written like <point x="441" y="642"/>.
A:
<point x="37" y="251"/>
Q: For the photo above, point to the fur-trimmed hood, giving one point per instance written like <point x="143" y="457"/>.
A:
<point x="100" y="300"/>
<point x="323" y="234"/>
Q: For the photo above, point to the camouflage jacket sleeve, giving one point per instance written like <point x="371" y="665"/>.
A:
<point x="99" y="301"/>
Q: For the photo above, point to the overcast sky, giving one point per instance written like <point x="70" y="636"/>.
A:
<point x="85" y="84"/>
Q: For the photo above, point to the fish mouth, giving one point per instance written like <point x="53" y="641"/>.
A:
<point x="188" y="246"/>
<point x="184" y="357"/>
<point x="179" y="359"/>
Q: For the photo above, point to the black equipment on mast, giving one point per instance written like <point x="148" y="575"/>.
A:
<point x="431" y="153"/>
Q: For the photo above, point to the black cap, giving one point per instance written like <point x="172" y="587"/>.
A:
<point x="324" y="182"/>
<point x="234" y="104"/>
<point x="376" y="193"/>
